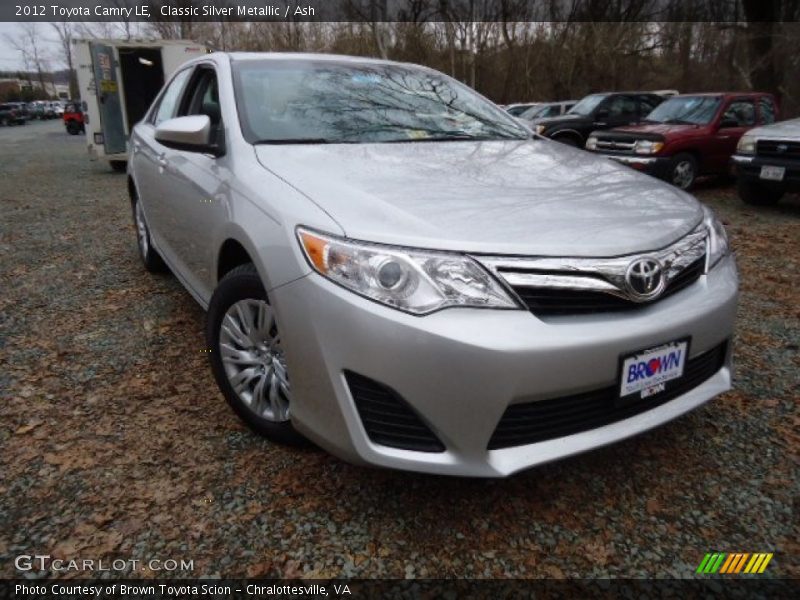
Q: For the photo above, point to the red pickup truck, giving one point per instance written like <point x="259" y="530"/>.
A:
<point x="686" y="136"/>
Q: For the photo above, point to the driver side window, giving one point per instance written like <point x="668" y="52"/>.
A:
<point x="169" y="100"/>
<point x="202" y="98"/>
<point x="622" y="106"/>
<point x="741" y="111"/>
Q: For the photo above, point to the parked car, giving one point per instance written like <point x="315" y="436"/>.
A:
<point x="767" y="162"/>
<point x="686" y="136"/>
<point x="58" y="109"/>
<point x="8" y="114"/>
<point x="546" y="110"/>
<point x="666" y="93"/>
<point x="416" y="281"/>
<point x="598" y="111"/>
<point x="21" y="111"/>
<point x="515" y="110"/>
<point x="74" y="121"/>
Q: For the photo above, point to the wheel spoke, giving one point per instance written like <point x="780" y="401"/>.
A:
<point x="234" y="356"/>
<point x="241" y="381"/>
<point x="231" y="327"/>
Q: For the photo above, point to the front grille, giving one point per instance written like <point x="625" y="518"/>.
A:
<point x="387" y="418"/>
<point x="778" y="149"/>
<point x="562" y="301"/>
<point x="532" y="422"/>
<point x="616" y="145"/>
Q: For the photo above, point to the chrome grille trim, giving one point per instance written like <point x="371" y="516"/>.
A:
<point x="606" y="275"/>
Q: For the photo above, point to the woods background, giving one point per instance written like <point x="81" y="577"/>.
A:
<point x="516" y="50"/>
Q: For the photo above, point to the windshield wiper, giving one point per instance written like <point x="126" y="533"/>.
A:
<point x="281" y="141"/>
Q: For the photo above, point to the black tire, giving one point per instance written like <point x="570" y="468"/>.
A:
<point x="151" y="259"/>
<point x="241" y="283"/>
<point x="119" y="166"/>
<point x="567" y="140"/>
<point x="73" y="128"/>
<point x="683" y="171"/>
<point x="757" y="194"/>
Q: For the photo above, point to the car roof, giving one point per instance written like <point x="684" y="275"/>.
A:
<point x="310" y="57"/>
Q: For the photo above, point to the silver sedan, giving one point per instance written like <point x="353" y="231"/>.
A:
<point x="395" y="269"/>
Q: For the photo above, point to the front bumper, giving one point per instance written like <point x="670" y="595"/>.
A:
<point x="461" y="368"/>
<point x="748" y="167"/>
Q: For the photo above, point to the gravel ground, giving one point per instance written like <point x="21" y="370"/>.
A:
<point x="115" y="443"/>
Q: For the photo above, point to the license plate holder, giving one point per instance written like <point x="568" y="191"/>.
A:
<point x="644" y="374"/>
<point x="771" y="173"/>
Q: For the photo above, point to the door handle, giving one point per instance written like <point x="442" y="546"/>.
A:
<point x="136" y="147"/>
<point x="162" y="161"/>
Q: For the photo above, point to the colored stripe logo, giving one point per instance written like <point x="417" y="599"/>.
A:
<point x="734" y="562"/>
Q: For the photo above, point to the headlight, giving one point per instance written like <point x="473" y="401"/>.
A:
<point x="717" y="244"/>
<point x="540" y="129"/>
<point x="746" y="145"/>
<point x="591" y="143"/>
<point x="416" y="281"/>
<point x="647" y="147"/>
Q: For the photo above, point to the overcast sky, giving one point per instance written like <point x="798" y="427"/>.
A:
<point x="11" y="59"/>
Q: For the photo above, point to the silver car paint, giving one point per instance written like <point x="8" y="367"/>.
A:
<point x="789" y="130"/>
<point x="459" y="367"/>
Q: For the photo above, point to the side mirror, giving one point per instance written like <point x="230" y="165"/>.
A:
<point x="192" y="134"/>
<point x="729" y="122"/>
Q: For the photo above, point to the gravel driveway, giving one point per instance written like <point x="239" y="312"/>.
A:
<point x="115" y="443"/>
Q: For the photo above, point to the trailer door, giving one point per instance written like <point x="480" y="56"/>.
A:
<point x="111" y="121"/>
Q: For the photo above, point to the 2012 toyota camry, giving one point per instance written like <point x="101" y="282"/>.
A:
<point x="397" y="270"/>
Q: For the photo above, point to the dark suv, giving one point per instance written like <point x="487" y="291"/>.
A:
<point x="598" y="111"/>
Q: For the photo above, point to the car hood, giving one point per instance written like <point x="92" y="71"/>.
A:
<point x="533" y="197"/>
<point x="784" y="129"/>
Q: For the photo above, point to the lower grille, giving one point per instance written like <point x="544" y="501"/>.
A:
<point x="533" y="422"/>
<point x="555" y="301"/>
<point x="388" y="419"/>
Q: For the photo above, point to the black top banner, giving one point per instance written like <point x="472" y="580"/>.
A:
<point x="401" y="10"/>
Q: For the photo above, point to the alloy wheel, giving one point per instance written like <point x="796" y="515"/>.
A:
<point x="253" y="359"/>
<point x="683" y="174"/>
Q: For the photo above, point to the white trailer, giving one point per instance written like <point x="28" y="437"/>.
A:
<point x="118" y="80"/>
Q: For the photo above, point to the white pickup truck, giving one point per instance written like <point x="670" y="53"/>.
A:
<point x="767" y="162"/>
<point x="118" y="80"/>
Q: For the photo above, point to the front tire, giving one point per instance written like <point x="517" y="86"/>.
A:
<point x="567" y="140"/>
<point x="756" y="194"/>
<point x="683" y="171"/>
<point x="247" y="356"/>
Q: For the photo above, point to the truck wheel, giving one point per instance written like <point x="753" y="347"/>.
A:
<point x="73" y="128"/>
<point x="683" y="171"/>
<point x="247" y="355"/>
<point x="567" y="140"/>
<point x="756" y="194"/>
<point x="119" y="166"/>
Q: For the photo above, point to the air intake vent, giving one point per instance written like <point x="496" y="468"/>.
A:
<point x="533" y="422"/>
<point x="388" y="419"/>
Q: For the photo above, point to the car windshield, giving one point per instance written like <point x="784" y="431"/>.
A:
<point x="587" y="105"/>
<point x="690" y="110"/>
<point x="326" y="102"/>
<point x="535" y="111"/>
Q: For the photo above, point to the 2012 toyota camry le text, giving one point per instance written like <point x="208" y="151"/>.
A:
<point x="400" y="272"/>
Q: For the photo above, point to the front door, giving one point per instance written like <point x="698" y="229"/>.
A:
<point x="108" y="100"/>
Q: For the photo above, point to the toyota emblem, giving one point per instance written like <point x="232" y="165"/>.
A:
<point x="645" y="278"/>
